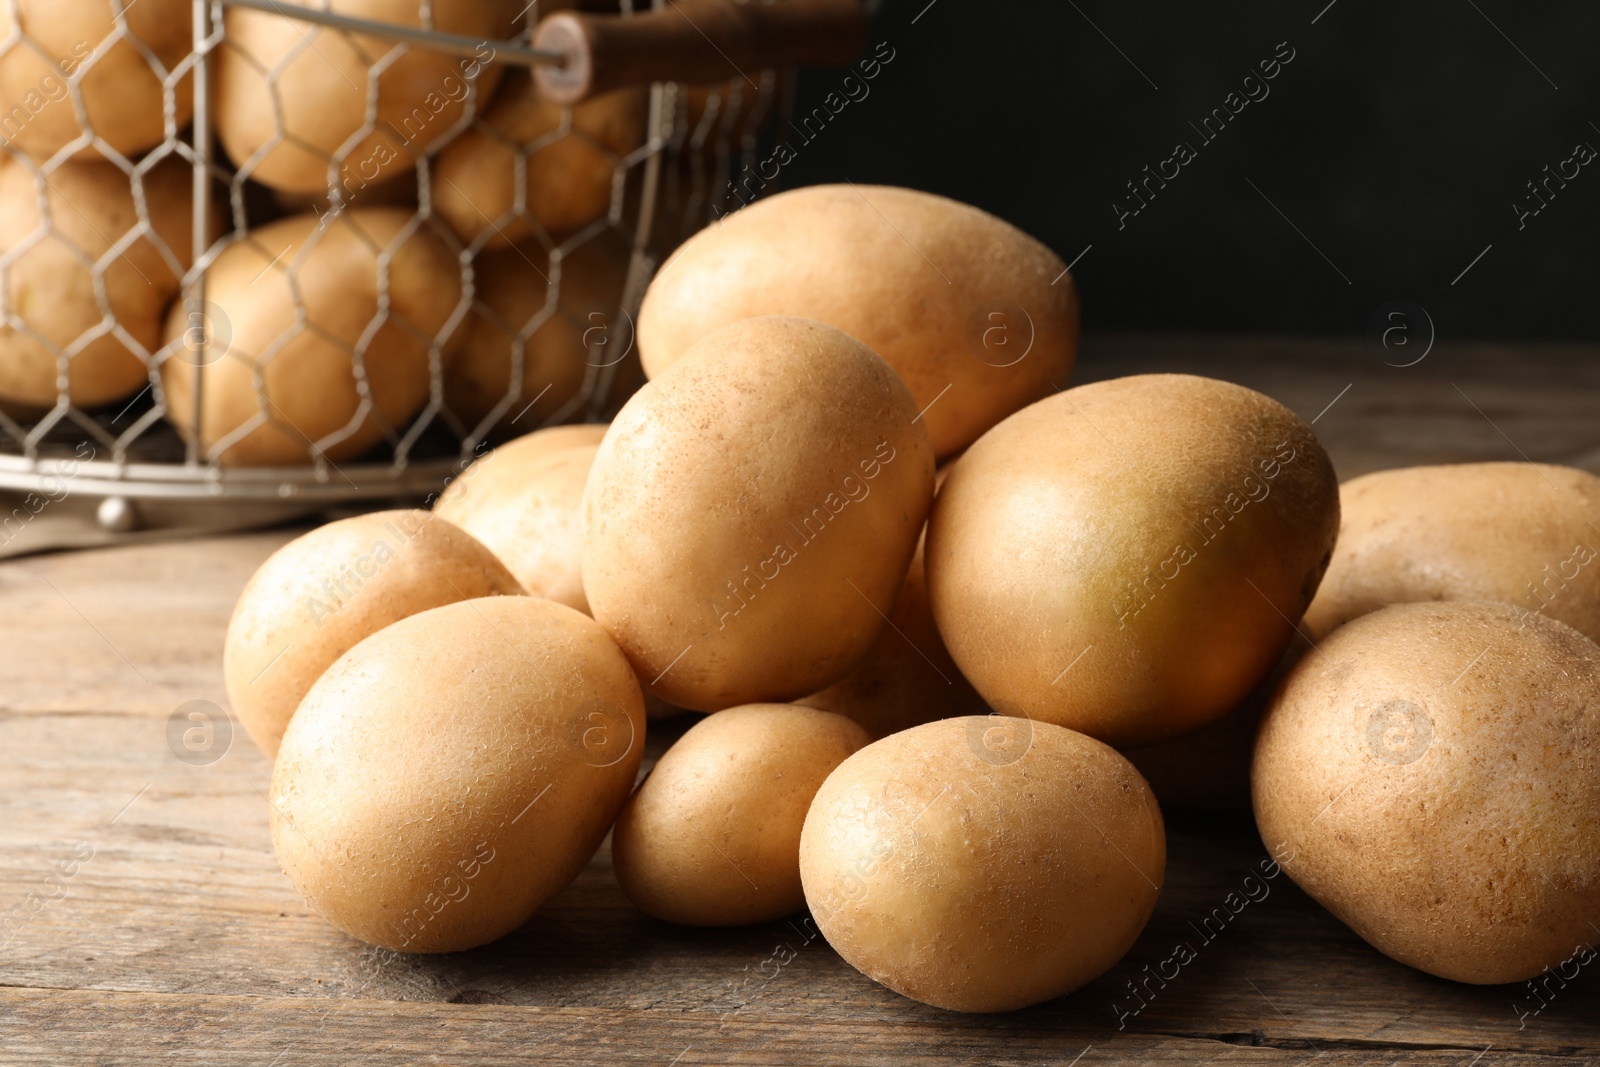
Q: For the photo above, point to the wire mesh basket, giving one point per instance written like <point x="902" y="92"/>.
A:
<point x="284" y="257"/>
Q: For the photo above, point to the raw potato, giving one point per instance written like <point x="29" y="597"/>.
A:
<point x="320" y="594"/>
<point x="511" y="299"/>
<point x="1429" y="778"/>
<point x="712" y="836"/>
<point x="1125" y="558"/>
<point x="569" y="174"/>
<point x="91" y="209"/>
<point x="983" y="863"/>
<point x="530" y="516"/>
<point x="961" y="304"/>
<point x="452" y="772"/>
<point x="1524" y="533"/>
<point x="122" y="93"/>
<point x="315" y="404"/>
<point x="752" y="512"/>
<point x="319" y="84"/>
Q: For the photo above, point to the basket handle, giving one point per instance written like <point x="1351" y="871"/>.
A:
<point x="694" y="41"/>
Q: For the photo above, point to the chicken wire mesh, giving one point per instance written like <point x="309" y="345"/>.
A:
<point x="248" y="256"/>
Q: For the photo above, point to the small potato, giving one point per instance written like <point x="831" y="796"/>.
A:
<point x="569" y="174"/>
<point x="315" y="597"/>
<point x="530" y="515"/>
<point x="51" y="283"/>
<point x="292" y="99"/>
<point x="983" y="863"/>
<point x="563" y="348"/>
<point x="121" y="89"/>
<point x="1524" y="533"/>
<point x="1428" y="775"/>
<point x="973" y="313"/>
<point x="752" y="512"/>
<point x="452" y="772"/>
<point x="712" y="836"/>
<point x="1128" y="558"/>
<point x="280" y="390"/>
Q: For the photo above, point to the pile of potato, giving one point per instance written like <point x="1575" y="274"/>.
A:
<point x="456" y="258"/>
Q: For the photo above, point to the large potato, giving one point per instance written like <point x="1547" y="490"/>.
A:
<point x="291" y="97"/>
<point x="318" y="595"/>
<point x="279" y="389"/>
<point x="983" y="863"/>
<point x="122" y="90"/>
<point x="973" y="313"/>
<point x="563" y="348"/>
<point x="452" y="772"/>
<point x="712" y="836"/>
<point x="1128" y="558"/>
<point x="1429" y="777"/>
<point x="51" y="284"/>
<point x="1524" y="533"/>
<point x="752" y="512"/>
<point x="569" y="173"/>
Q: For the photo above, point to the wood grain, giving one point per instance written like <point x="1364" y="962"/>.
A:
<point x="143" y="917"/>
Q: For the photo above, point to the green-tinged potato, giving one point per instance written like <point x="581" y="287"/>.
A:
<point x="752" y="512"/>
<point x="531" y="516"/>
<point x="1128" y="558"/>
<point x="712" y="836"/>
<point x="563" y="348"/>
<point x="973" y="313"/>
<point x="320" y="594"/>
<point x="1524" y="533"/>
<point x="572" y="163"/>
<point x="1428" y="775"/>
<point x="51" y="282"/>
<point x="455" y="770"/>
<point x="292" y="98"/>
<point x="280" y="390"/>
<point x="983" y="863"/>
<point x="121" y="89"/>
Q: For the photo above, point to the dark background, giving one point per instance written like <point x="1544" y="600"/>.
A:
<point x="1396" y="140"/>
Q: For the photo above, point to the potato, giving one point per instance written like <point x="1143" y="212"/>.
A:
<point x="1128" y="558"/>
<point x="974" y="314"/>
<point x="1428" y="777"/>
<point x="121" y="90"/>
<point x="570" y="172"/>
<point x="292" y="99"/>
<point x="1523" y="533"/>
<point x="455" y="770"/>
<point x="531" y="517"/>
<point x="752" y="512"/>
<point x="318" y="595"/>
<point x="51" y="285"/>
<point x="983" y="863"/>
<point x="908" y="677"/>
<point x="314" y="402"/>
<point x="511" y="302"/>
<point x="712" y="836"/>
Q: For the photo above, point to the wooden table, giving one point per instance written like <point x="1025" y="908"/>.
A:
<point x="143" y="918"/>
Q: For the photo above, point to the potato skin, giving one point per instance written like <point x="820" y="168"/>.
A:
<point x="918" y="278"/>
<point x="92" y="208"/>
<point x="1152" y="535"/>
<point x="323" y="592"/>
<point x="1429" y="778"/>
<point x="752" y="511"/>
<point x="310" y="382"/>
<point x="531" y="517"/>
<point x="983" y="863"/>
<point x="1524" y="533"/>
<point x="712" y="836"/>
<point x="452" y="772"/>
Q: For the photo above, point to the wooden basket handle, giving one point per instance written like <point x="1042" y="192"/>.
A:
<point x="694" y="41"/>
